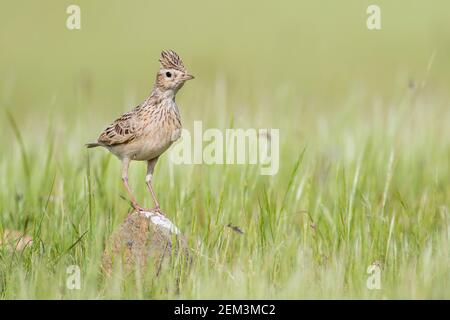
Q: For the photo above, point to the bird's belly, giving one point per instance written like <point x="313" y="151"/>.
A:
<point x="151" y="147"/>
<point x="150" y="151"/>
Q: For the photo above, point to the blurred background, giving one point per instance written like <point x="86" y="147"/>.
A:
<point x="314" y="51"/>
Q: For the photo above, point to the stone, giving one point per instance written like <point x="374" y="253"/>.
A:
<point x="145" y="238"/>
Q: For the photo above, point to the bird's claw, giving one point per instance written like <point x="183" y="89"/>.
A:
<point x="138" y="207"/>
<point x="156" y="209"/>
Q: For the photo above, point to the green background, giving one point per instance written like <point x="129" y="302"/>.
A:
<point x="364" y="136"/>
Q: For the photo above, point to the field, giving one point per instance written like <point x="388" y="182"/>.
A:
<point x="364" y="175"/>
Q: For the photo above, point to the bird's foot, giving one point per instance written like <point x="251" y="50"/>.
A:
<point x="157" y="209"/>
<point x="139" y="208"/>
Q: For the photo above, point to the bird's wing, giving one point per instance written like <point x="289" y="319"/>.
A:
<point x="122" y="130"/>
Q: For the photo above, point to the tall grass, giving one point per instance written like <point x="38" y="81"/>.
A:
<point x="364" y="149"/>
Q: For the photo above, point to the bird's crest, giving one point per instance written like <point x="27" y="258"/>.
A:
<point x="170" y="60"/>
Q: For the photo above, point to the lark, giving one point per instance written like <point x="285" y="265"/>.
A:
<point x="147" y="131"/>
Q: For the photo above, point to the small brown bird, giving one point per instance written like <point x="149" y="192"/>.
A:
<point x="148" y="130"/>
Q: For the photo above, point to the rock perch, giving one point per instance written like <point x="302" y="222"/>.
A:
<point x="147" y="241"/>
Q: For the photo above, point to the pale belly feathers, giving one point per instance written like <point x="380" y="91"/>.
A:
<point x="150" y="145"/>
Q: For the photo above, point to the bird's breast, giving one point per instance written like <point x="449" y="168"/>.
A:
<point x="162" y="131"/>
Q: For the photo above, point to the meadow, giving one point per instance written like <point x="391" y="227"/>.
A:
<point x="364" y="176"/>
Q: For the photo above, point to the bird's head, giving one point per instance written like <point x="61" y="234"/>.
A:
<point x="172" y="73"/>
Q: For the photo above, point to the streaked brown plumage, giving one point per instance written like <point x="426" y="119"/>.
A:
<point x="148" y="130"/>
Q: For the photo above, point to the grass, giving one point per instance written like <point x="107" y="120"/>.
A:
<point x="364" y="149"/>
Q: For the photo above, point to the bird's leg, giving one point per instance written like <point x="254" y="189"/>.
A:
<point x="125" y="165"/>
<point x="148" y="179"/>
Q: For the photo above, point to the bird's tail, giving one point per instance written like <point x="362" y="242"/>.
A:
<point x="92" y="145"/>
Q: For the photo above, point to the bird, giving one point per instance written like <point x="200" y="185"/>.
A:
<point x="147" y="131"/>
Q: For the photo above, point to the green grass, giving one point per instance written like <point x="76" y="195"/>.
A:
<point x="364" y="148"/>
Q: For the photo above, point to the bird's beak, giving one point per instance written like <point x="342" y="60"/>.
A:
<point x="188" y="77"/>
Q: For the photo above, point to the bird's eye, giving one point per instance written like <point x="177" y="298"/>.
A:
<point x="168" y="74"/>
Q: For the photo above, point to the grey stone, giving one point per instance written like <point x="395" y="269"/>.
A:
<point x="145" y="238"/>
